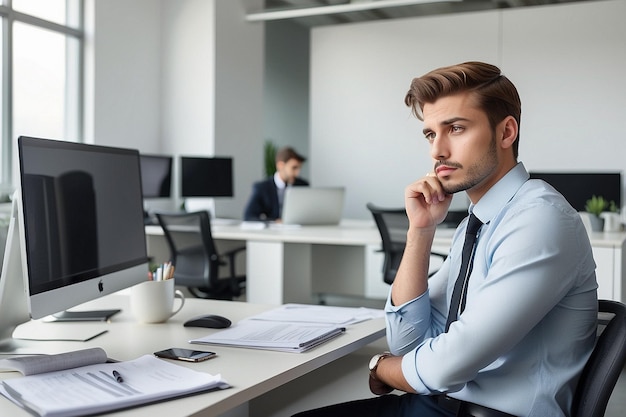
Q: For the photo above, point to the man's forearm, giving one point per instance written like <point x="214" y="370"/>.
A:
<point x="412" y="278"/>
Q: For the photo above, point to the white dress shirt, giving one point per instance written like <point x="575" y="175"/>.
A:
<point x="280" y="189"/>
<point x="529" y="324"/>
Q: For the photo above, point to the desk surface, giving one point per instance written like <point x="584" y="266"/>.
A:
<point x="350" y="232"/>
<point x="250" y="372"/>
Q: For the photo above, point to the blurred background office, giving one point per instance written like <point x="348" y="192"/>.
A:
<point x="195" y="77"/>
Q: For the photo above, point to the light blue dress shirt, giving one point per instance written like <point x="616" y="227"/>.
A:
<point x="530" y="320"/>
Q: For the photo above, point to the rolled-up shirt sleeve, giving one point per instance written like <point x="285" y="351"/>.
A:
<point x="407" y="324"/>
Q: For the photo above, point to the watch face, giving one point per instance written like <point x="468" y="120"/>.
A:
<point x="374" y="361"/>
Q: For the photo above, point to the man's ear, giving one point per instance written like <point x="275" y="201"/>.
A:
<point x="509" y="132"/>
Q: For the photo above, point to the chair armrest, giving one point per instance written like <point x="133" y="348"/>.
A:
<point x="231" y="254"/>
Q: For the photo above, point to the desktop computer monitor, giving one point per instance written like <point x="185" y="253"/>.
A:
<point x="76" y="231"/>
<point x="156" y="176"/>
<point x="206" y="177"/>
<point x="578" y="187"/>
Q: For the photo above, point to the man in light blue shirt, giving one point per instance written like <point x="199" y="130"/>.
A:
<point x="528" y="323"/>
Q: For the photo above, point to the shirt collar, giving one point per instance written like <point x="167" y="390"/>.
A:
<point x="279" y="181"/>
<point x="500" y="194"/>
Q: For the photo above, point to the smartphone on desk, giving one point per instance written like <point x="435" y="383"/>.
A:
<point x="187" y="355"/>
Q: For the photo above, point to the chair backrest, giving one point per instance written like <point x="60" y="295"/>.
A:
<point x="393" y="225"/>
<point x="605" y="364"/>
<point x="192" y="249"/>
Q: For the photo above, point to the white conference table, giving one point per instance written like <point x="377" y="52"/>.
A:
<point x="293" y="264"/>
<point x="251" y="373"/>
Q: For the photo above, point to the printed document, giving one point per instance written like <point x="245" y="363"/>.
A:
<point x="95" y="389"/>
<point x="284" y="337"/>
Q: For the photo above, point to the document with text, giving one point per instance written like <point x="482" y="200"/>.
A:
<point x="105" y="387"/>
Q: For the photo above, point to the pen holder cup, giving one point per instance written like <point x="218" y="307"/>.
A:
<point x="153" y="301"/>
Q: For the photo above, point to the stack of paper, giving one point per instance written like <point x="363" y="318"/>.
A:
<point x="290" y="328"/>
<point x="94" y="389"/>
<point x="39" y="364"/>
<point x="285" y="337"/>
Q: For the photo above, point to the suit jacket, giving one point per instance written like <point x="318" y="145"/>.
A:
<point x="263" y="203"/>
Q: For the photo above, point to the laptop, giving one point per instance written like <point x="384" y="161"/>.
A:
<point x="313" y="205"/>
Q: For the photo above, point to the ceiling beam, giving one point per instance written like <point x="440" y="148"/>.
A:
<point x="336" y="8"/>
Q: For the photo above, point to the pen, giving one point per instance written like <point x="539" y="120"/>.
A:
<point x="118" y="377"/>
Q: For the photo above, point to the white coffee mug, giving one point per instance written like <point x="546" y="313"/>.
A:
<point x="153" y="301"/>
<point x="612" y="221"/>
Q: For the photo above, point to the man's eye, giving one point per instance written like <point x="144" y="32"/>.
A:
<point x="457" y="129"/>
<point x="430" y="136"/>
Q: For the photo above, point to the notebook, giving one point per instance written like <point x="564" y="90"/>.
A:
<point x="313" y="205"/>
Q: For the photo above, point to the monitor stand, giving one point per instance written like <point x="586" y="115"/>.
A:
<point x="90" y="315"/>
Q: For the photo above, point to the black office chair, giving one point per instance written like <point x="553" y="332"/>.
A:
<point x="393" y="225"/>
<point x="196" y="259"/>
<point x="605" y="364"/>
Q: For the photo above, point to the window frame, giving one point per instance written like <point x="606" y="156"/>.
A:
<point x="74" y="105"/>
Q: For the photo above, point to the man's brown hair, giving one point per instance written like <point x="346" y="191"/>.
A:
<point x="287" y="153"/>
<point x="494" y="93"/>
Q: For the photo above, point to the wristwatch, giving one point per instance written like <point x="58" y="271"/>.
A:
<point x="377" y="386"/>
<point x="376" y="360"/>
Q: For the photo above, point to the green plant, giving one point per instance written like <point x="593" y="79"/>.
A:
<point x="269" y="158"/>
<point x="596" y="205"/>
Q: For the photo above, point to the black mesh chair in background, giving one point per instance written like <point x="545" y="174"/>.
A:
<point x="196" y="259"/>
<point x="393" y="225"/>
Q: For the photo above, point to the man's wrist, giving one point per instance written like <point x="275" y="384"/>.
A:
<point x="377" y="386"/>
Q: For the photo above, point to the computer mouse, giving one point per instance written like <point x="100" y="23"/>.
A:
<point x="211" y="321"/>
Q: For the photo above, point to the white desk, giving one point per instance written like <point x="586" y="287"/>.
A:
<point x="291" y="264"/>
<point x="609" y="252"/>
<point x="251" y="373"/>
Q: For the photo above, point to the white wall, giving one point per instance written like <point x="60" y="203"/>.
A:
<point x="155" y="84"/>
<point x="124" y="75"/>
<point x="188" y="77"/>
<point x="566" y="60"/>
<point x="157" y="70"/>
<point x="570" y="73"/>
<point x="238" y="100"/>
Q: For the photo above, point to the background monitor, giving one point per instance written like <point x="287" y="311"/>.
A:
<point x="156" y="175"/>
<point x="206" y="177"/>
<point x="578" y="187"/>
<point x="77" y="229"/>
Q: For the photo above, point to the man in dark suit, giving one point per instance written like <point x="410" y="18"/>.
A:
<point x="266" y="200"/>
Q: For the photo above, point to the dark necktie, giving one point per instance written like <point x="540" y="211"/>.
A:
<point x="467" y="258"/>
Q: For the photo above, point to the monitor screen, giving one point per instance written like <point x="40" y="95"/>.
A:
<point x="156" y="176"/>
<point x="578" y="187"/>
<point x="206" y="177"/>
<point x="80" y="220"/>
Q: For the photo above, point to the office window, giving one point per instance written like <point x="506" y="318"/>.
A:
<point x="52" y="10"/>
<point x="42" y="76"/>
